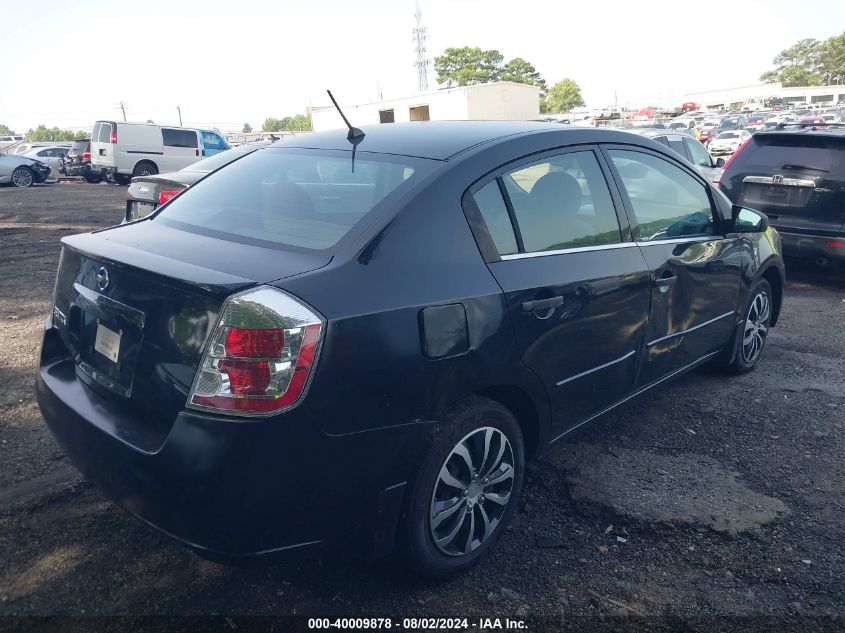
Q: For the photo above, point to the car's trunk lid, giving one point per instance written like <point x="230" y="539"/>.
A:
<point x="135" y="304"/>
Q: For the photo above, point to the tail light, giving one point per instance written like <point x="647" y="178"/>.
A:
<point x="86" y="156"/>
<point x="164" y="196"/>
<point x="718" y="179"/>
<point x="835" y="244"/>
<point x="113" y="137"/>
<point x="260" y="356"/>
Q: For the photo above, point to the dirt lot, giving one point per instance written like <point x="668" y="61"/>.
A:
<point x="717" y="501"/>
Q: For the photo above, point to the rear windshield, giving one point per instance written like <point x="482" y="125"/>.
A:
<point x="793" y="153"/>
<point x="306" y="199"/>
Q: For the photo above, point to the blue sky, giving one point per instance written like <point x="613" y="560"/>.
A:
<point x="226" y="63"/>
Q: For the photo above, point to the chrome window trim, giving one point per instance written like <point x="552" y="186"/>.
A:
<point x="594" y="369"/>
<point x="785" y="182"/>
<point x="679" y="240"/>
<point x="687" y="331"/>
<point x="609" y="247"/>
<point x="565" y="251"/>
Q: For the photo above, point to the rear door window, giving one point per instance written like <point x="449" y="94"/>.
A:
<point x="668" y="203"/>
<point x="179" y="138"/>
<point x="492" y="206"/>
<point x="562" y="202"/>
<point x="306" y="199"/>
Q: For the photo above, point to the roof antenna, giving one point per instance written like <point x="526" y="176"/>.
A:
<point x="355" y="135"/>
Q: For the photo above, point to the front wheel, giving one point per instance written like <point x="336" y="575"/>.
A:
<point x="466" y="490"/>
<point x="755" y="329"/>
<point x="22" y="177"/>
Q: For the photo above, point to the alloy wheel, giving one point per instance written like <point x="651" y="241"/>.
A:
<point x="756" y="327"/>
<point x="22" y="178"/>
<point x="472" y="492"/>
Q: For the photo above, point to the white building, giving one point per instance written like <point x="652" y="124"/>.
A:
<point x="500" y="101"/>
<point x="758" y="92"/>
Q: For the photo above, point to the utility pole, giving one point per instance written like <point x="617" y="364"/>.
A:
<point x="123" y="109"/>
<point x="179" y="110"/>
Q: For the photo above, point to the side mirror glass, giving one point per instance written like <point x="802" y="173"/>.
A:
<point x="720" y="162"/>
<point x="748" y="220"/>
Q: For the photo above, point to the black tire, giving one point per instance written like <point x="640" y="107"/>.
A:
<point x="472" y="421"/>
<point x="121" y="179"/>
<point x="145" y="168"/>
<point x="754" y="330"/>
<point x="23" y="177"/>
<point x="93" y="179"/>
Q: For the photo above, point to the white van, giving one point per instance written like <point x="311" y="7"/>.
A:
<point x="123" y="150"/>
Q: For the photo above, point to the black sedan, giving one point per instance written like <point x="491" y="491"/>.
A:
<point x="146" y="193"/>
<point x="363" y="342"/>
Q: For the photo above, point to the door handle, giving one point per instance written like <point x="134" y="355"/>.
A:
<point x="665" y="281"/>
<point x="539" y="305"/>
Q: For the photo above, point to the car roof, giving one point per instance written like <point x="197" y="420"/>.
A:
<point x="651" y="132"/>
<point x="837" y="132"/>
<point x="439" y="140"/>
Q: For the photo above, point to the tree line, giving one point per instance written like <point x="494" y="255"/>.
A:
<point x="810" y="62"/>
<point x="295" y="123"/>
<point x="43" y="133"/>
<point x="465" y="66"/>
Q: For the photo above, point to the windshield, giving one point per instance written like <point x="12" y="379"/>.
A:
<point x="302" y="198"/>
<point x="729" y="135"/>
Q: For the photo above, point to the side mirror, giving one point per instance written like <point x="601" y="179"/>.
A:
<point x="720" y="162"/>
<point x="748" y="220"/>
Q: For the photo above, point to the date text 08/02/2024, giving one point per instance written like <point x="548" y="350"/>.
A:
<point x="417" y="624"/>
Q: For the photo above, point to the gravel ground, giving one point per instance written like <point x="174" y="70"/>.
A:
<point x="717" y="502"/>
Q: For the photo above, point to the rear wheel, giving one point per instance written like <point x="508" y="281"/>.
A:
<point x="466" y="490"/>
<point x="144" y="168"/>
<point x="93" y="179"/>
<point x="23" y="177"/>
<point x="121" y="179"/>
<point x="755" y="329"/>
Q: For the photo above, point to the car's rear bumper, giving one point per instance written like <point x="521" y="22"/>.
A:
<point x="80" y="169"/>
<point x="233" y="489"/>
<point x="813" y="246"/>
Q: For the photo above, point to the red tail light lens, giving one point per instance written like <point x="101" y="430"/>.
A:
<point x="835" y="244"/>
<point x="243" y="343"/>
<point x="246" y="378"/>
<point x="86" y="156"/>
<point x="164" y="196"/>
<point x="260" y="356"/>
<point x="113" y="137"/>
